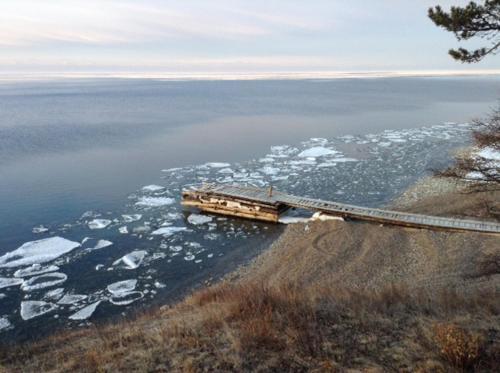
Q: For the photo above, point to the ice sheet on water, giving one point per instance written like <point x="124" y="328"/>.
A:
<point x="40" y="229"/>
<point x="120" y="288"/>
<point x="168" y="231"/>
<point x="40" y="251"/>
<point x="268" y="170"/>
<point x="154" y="201"/>
<point x="72" y="299"/>
<point x="198" y="219"/>
<point x="99" y="223"/>
<point x="217" y="164"/>
<point x="54" y="295"/>
<point x="43" y="281"/>
<point x="132" y="260"/>
<point x="6" y="282"/>
<point x="35" y="269"/>
<point x="131" y="218"/>
<point x="317" y="151"/>
<point x="33" y="308"/>
<point x="292" y="219"/>
<point x="4" y="323"/>
<point x="126" y="299"/>
<point x="85" y="312"/>
<point x="101" y="244"/>
<point x="152" y="188"/>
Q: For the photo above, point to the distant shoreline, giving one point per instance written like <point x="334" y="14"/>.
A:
<point x="197" y="76"/>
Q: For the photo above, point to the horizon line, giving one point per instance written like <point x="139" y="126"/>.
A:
<point x="311" y="75"/>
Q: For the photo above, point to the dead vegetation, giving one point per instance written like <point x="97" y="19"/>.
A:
<point x="253" y="327"/>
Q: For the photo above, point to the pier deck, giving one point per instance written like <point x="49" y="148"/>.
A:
<point x="261" y="204"/>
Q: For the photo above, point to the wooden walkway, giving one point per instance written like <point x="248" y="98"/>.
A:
<point x="260" y="204"/>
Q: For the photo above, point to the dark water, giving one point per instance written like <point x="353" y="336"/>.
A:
<point x="71" y="147"/>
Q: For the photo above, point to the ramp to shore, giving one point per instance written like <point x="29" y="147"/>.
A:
<point x="267" y="205"/>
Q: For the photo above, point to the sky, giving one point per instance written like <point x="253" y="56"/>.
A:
<point x="224" y="36"/>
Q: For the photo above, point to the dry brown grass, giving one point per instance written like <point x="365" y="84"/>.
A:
<point x="254" y="327"/>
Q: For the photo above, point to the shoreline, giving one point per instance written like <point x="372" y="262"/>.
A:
<point x="352" y="260"/>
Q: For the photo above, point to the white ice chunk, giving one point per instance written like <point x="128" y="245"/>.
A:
<point x="35" y="269"/>
<point x="122" y="287"/>
<point x="217" y="164"/>
<point x="344" y="159"/>
<point x="85" y="312"/>
<point x="54" y="294"/>
<point x="132" y="260"/>
<point x="127" y="298"/>
<point x="198" y="219"/>
<point x="292" y="219"/>
<point x="154" y="201"/>
<point x="268" y="170"/>
<point x="40" y="229"/>
<point x="189" y="257"/>
<point x="39" y="251"/>
<point x="323" y="217"/>
<point x="101" y="244"/>
<point x="123" y="230"/>
<point x="9" y="282"/>
<point x="168" y="231"/>
<point x="32" y="308"/>
<point x="71" y="299"/>
<point x="99" y="223"/>
<point x="131" y="218"/>
<point x="317" y="151"/>
<point x="152" y="188"/>
<point x="44" y="281"/>
<point x="4" y="323"/>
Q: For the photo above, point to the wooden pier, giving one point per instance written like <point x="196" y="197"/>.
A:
<point x="268" y="205"/>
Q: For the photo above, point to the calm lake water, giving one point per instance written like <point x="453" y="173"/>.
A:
<point x="76" y="154"/>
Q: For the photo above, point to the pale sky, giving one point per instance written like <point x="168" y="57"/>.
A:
<point x="224" y="36"/>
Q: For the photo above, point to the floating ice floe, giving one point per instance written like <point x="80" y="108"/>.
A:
<point x="152" y="188"/>
<point x="39" y="251"/>
<point x="99" y="223"/>
<point x="154" y="201"/>
<point x="122" y="287"/>
<point x="268" y="170"/>
<point x="32" y="308"/>
<point x="123" y="292"/>
<point x="126" y="299"/>
<point x="132" y="260"/>
<point x="85" y="312"/>
<point x="292" y="219"/>
<point x="217" y="164"/>
<point x="123" y="230"/>
<point x="4" y="323"/>
<point x="40" y="229"/>
<point x="71" y="299"/>
<point x="317" y="151"/>
<point x="324" y="217"/>
<point x="189" y="257"/>
<point x="35" y="269"/>
<point x="168" y="231"/>
<point x="54" y="295"/>
<point x="131" y="218"/>
<point x="43" y="281"/>
<point x="9" y="282"/>
<point x="101" y="244"/>
<point x="197" y="219"/>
